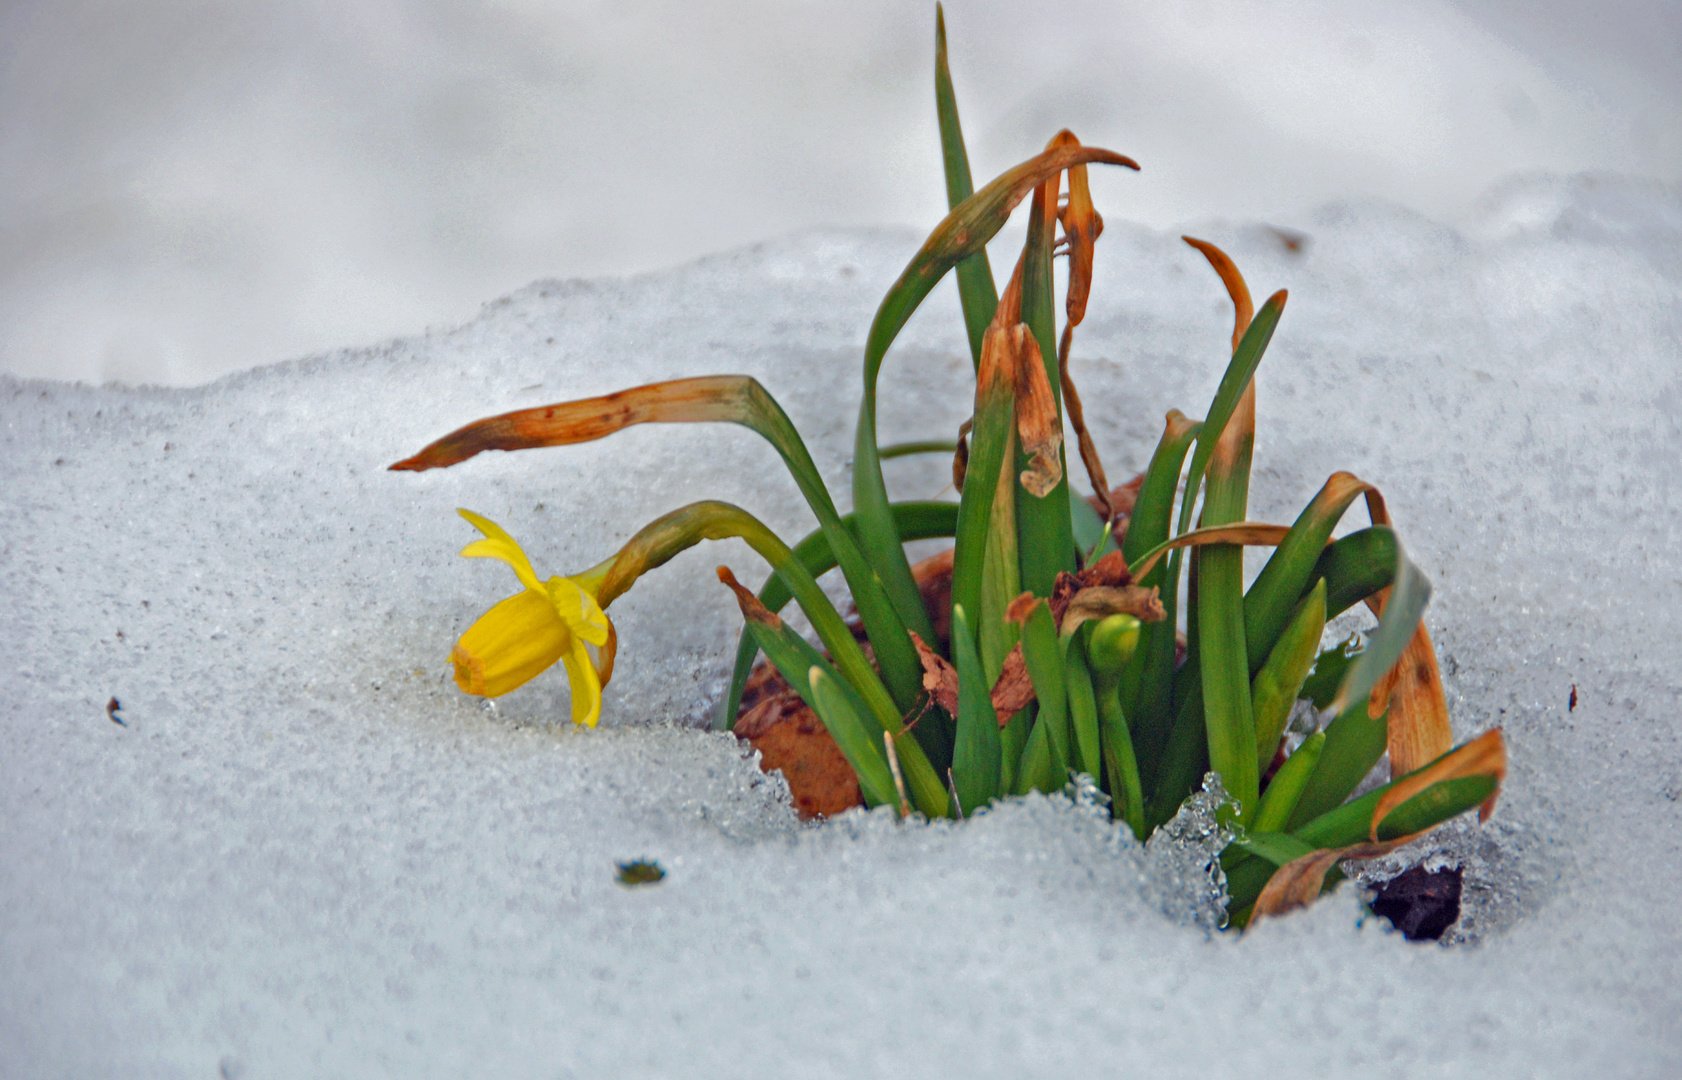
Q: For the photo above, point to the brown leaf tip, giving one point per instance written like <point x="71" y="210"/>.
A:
<point x="1020" y="608"/>
<point x="1109" y="570"/>
<point x="752" y="609"/>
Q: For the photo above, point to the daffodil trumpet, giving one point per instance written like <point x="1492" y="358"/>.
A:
<point x="524" y="635"/>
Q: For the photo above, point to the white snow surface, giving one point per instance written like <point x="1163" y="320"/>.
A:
<point x="309" y="854"/>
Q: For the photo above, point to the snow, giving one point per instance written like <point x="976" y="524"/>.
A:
<point x="308" y="854"/>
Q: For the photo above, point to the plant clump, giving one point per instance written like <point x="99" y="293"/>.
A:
<point x="1048" y="642"/>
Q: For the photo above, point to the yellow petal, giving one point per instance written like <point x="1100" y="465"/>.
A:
<point x="579" y="610"/>
<point x="586" y="689"/>
<point x="499" y="545"/>
<point x="510" y="645"/>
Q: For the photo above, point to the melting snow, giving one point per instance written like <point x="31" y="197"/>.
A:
<point x="308" y="854"/>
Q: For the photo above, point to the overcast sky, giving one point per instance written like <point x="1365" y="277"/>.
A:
<point x="190" y="189"/>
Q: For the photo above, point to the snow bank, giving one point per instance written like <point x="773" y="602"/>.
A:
<point x="308" y="854"/>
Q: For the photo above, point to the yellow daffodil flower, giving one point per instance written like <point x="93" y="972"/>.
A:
<point x="524" y="635"/>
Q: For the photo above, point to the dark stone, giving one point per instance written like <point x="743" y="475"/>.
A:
<point x="1421" y="903"/>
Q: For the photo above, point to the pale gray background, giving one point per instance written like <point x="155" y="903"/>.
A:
<point x="189" y="189"/>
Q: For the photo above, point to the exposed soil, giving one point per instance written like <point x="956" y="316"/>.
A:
<point x="1421" y="903"/>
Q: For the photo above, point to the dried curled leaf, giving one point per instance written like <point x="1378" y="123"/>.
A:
<point x="1014" y="688"/>
<point x="1081" y="228"/>
<point x="1419" y="730"/>
<point x="1018" y="610"/>
<point x="1413" y="692"/>
<point x="724" y="398"/>
<point x="1298" y="882"/>
<point x="1101" y="497"/>
<point x="1009" y="696"/>
<point x="940" y="678"/>
<point x="960" y="457"/>
<point x="1126" y="497"/>
<point x="1102" y="601"/>
<point x="1249" y="533"/>
<point x="1485" y="755"/>
<point x="1243" y="308"/>
<point x="1037" y="421"/>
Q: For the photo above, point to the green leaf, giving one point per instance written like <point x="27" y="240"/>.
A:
<point x="1436" y="804"/>
<point x="1245" y="359"/>
<point x="1013" y="741"/>
<point x="1044" y="660"/>
<point x="1044" y="536"/>
<point x="1289" y="571"/>
<point x="964" y="232"/>
<point x="1229" y="721"/>
<point x="977" y="755"/>
<point x="1038" y="769"/>
<point x="984" y="565"/>
<point x="1084" y="752"/>
<point x="1354" y="743"/>
<point x="1276" y="847"/>
<point x="1273" y="692"/>
<point x="1280" y="799"/>
<point x="1356" y="567"/>
<point x="975" y="275"/>
<point x="1145" y="686"/>
<point x="926" y="446"/>
<point x="1329" y="667"/>
<point x="916" y="521"/>
<point x="824" y="693"/>
<point x="1409" y="594"/>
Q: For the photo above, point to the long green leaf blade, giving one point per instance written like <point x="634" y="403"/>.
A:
<point x="1408" y="597"/>
<point x="976" y="290"/>
<point x="1229" y="720"/>
<point x="851" y="735"/>
<point x="1044" y="536"/>
<point x="964" y="231"/>
<point x="1288" y="572"/>
<point x="1084" y="749"/>
<point x="1145" y="684"/>
<point x="1273" y="692"/>
<point x="1037" y="770"/>
<point x="1354" y="743"/>
<point x="1279" y="801"/>
<point x="976" y="757"/>
<point x="915" y="520"/>
<point x="1245" y="359"/>
<point x="1044" y="660"/>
